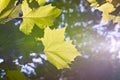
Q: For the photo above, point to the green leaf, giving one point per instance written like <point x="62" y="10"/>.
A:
<point x="42" y="17"/>
<point x="14" y="75"/>
<point x="59" y="52"/>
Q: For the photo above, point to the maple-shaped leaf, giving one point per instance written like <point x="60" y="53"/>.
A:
<point x="107" y="8"/>
<point x="3" y="4"/>
<point x="43" y="16"/>
<point x="59" y="52"/>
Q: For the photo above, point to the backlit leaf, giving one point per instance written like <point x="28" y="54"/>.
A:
<point x="6" y="8"/>
<point x="25" y="8"/>
<point x="40" y="2"/>
<point x="42" y="17"/>
<point x="3" y="4"/>
<point x="93" y="2"/>
<point x="59" y="52"/>
<point x="117" y="19"/>
<point x="109" y="1"/>
<point x="107" y="8"/>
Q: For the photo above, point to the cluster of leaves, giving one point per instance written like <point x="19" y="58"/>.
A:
<point x="35" y="13"/>
<point x="110" y="9"/>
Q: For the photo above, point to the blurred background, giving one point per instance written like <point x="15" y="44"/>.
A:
<point x="98" y="42"/>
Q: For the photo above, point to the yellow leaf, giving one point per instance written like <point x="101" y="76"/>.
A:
<point x="107" y="17"/>
<point x="93" y="2"/>
<point x="42" y="16"/>
<point x="6" y="8"/>
<point x="59" y="52"/>
<point x="107" y="8"/>
<point x="117" y="19"/>
<point x="109" y="1"/>
<point x="25" y="8"/>
<point x="40" y="2"/>
<point x="3" y="4"/>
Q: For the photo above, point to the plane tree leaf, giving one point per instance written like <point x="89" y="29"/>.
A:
<point x="110" y="10"/>
<point x="93" y="2"/>
<point x="59" y="52"/>
<point x="40" y="2"/>
<point x="117" y="19"/>
<point x="42" y="17"/>
<point x="3" y="4"/>
<point x="107" y="8"/>
<point x="6" y="7"/>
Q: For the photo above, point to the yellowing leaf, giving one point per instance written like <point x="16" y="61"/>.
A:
<point x="117" y="19"/>
<point x="59" y="52"/>
<point x="107" y="8"/>
<point x="109" y="1"/>
<point x="25" y="8"/>
<point x="107" y="17"/>
<point x="6" y="7"/>
<point x="3" y="4"/>
<point x="15" y="12"/>
<point x="93" y="2"/>
<point x="40" y="2"/>
<point x="42" y="17"/>
<point x="4" y="15"/>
